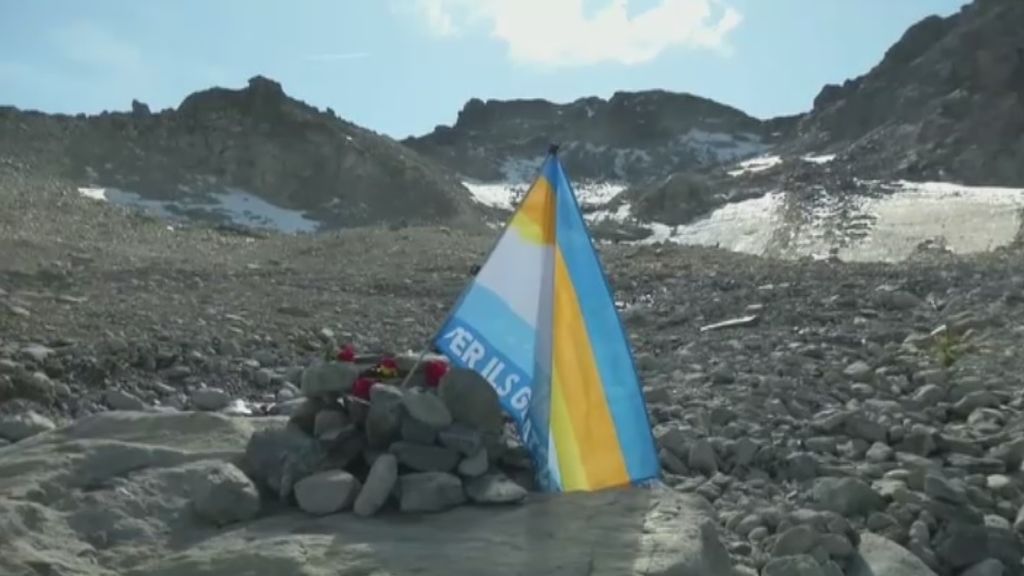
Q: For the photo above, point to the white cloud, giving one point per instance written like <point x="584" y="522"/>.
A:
<point x="558" y="33"/>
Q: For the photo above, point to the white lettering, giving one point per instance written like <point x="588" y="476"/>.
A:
<point x="473" y="354"/>
<point x="486" y="372"/>
<point x="521" y="401"/>
<point x="459" y="338"/>
<point x="505" y="387"/>
<point x="493" y="376"/>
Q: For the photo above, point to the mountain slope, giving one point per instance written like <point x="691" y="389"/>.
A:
<point x="255" y="141"/>
<point x="631" y="137"/>
<point x="946" y="102"/>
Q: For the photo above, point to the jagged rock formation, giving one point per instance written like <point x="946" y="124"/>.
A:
<point x="946" y="102"/>
<point x="258" y="140"/>
<point x="633" y="136"/>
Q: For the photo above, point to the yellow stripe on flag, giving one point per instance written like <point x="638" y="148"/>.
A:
<point x="535" y="219"/>
<point x="577" y="385"/>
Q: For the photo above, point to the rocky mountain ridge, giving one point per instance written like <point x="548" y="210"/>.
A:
<point x="256" y="141"/>
<point x="630" y="137"/>
<point x="945" y="103"/>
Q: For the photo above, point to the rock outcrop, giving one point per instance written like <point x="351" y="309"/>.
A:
<point x="146" y="494"/>
<point x="631" y="137"/>
<point x="255" y="140"/>
<point x="946" y="102"/>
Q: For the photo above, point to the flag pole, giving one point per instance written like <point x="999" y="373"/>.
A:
<point x="552" y="153"/>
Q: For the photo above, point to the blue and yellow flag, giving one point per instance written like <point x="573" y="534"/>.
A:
<point x="539" y="323"/>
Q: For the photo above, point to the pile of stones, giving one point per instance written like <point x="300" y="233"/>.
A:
<point x="363" y="437"/>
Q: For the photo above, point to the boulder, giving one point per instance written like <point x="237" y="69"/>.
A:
<point x="17" y="427"/>
<point x="326" y="492"/>
<point x="494" y="489"/>
<point x="877" y="555"/>
<point x="429" y="492"/>
<point x="380" y="483"/>
<point x="225" y="496"/>
<point x="328" y="379"/>
<point x="471" y="400"/>
<point x="210" y="399"/>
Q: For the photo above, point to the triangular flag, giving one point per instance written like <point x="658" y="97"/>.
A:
<point x="538" y="321"/>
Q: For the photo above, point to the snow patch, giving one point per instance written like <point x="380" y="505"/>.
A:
<point x="236" y="206"/>
<point x="495" y="195"/>
<point x="505" y="195"/>
<point x="721" y="146"/>
<point x="93" y="193"/>
<point x="886" y="228"/>
<point x="824" y="159"/>
<point x="759" y="164"/>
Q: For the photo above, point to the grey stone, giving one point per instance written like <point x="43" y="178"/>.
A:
<point x="471" y="400"/>
<point x="494" y="489"/>
<point x="846" y="496"/>
<point x="878" y="556"/>
<point x="37" y="353"/>
<point x="961" y="545"/>
<point x="425" y="415"/>
<point x="803" y="565"/>
<point x="1018" y="524"/>
<point x="380" y="483"/>
<point x="210" y="399"/>
<point x="475" y="465"/>
<point x="1012" y="453"/>
<point x="326" y="492"/>
<point x="801" y="466"/>
<point x="328" y="379"/>
<point x="333" y="425"/>
<point x="821" y="444"/>
<point x="702" y="458"/>
<point x="384" y="419"/>
<point x="879" y="452"/>
<point x="36" y="386"/>
<point x="225" y="495"/>
<point x="837" y="545"/>
<point x="279" y="457"/>
<point x="461" y="438"/>
<point x="974" y="400"/>
<point x="17" y="427"/>
<point x="429" y="492"/>
<point x="121" y="400"/>
<point x="987" y="567"/>
<point x="264" y="377"/>
<point x="945" y="490"/>
<point x="758" y="534"/>
<point x="929" y="395"/>
<point x="919" y="441"/>
<point x="796" y="540"/>
<point x="863" y="428"/>
<point x="425" y="458"/>
<point x="859" y="371"/>
<point x="747" y="524"/>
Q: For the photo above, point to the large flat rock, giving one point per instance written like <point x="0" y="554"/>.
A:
<point x="110" y="495"/>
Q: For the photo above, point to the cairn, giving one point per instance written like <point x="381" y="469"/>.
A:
<point x="359" y="440"/>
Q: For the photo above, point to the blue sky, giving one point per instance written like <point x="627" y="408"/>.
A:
<point x="403" y="66"/>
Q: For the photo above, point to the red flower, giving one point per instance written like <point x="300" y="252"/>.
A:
<point x="361" y="388"/>
<point x="434" y="370"/>
<point x="347" y="353"/>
